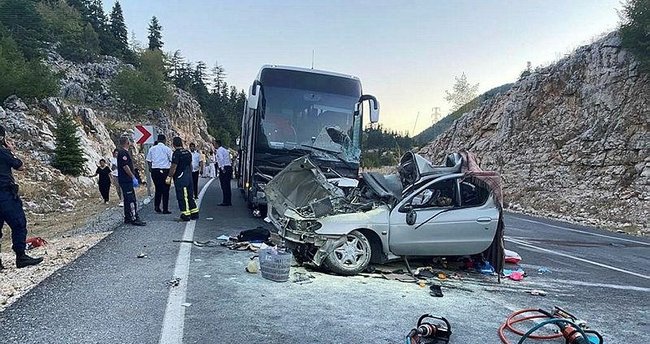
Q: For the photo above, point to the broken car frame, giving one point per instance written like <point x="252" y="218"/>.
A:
<point x="423" y="210"/>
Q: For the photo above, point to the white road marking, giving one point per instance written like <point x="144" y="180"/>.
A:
<point x="607" y="285"/>
<point x="174" y="320"/>
<point x="583" y="232"/>
<point x="526" y="244"/>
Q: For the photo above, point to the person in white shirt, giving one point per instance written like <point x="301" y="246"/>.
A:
<point x="159" y="159"/>
<point x="208" y="171"/>
<point x="225" y="173"/>
<point x="197" y="167"/>
<point x="114" y="181"/>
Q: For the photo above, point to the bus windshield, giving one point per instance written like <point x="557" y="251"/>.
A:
<point x="318" y="118"/>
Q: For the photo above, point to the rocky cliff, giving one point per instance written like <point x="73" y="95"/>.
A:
<point x="85" y="94"/>
<point x="571" y="140"/>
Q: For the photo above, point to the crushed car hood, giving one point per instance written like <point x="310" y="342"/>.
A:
<point x="300" y="185"/>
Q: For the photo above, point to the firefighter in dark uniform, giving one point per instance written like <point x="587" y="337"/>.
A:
<point x="127" y="179"/>
<point x="11" y="207"/>
<point x="181" y="173"/>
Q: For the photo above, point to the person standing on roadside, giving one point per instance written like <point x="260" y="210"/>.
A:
<point x="128" y="181"/>
<point x="113" y="176"/>
<point x="225" y="173"/>
<point x="197" y="167"/>
<point x="11" y="207"/>
<point x="181" y="173"/>
<point x="104" y="183"/>
<point x="159" y="159"/>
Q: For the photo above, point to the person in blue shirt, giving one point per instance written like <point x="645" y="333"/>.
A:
<point x="127" y="179"/>
<point x="11" y="207"/>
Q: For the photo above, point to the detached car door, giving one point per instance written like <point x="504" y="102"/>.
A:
<point x="433" y="221"/>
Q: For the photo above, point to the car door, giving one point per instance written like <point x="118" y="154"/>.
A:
<point x="441" y="228"/>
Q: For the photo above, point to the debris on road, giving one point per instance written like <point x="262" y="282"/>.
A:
<point x="536" y="292"/>
<point x="542" y="271"/>
<point x="259" y="234"/>
<point x="275" y="264"/>
<point x="174" y="282"/>
<point x="142" y="255"/>
<point x="223" y="237"/>
<point x="435" y="290"/>
<point x="515" y="275"/>
<point x="209" y="218"/>
<point x="252" y="266"/>
<point x="302" y="278"/>
<point x="35" y="242"/>
<point x="512" y="257"/>
<point x="186" y="304"/>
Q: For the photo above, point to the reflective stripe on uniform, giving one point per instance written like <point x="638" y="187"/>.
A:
<point x="187" y="202"/>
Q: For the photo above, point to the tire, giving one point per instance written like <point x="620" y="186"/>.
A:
<point x="351" y="257"/>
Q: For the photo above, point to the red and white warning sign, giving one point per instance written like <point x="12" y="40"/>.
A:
<point x="143" y="134"/>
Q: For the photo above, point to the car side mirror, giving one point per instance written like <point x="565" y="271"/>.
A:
<point x="411" y="217"/>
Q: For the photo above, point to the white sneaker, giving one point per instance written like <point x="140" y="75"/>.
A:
<point x="121" y="204"/>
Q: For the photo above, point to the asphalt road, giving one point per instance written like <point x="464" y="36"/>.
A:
<point x="110" y="296"/>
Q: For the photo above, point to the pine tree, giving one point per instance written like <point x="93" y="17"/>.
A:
<point x="117" y="28"/>
<point x="68" y="156"/>
<point x="218" y="77"/>
<point x="635" y="31"/>
<point x="462" y="94"/>
<point x="155" y="34"/>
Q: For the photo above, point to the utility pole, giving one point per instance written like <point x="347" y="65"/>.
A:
<point x="435" y="115"/>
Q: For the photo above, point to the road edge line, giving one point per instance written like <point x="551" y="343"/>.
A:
<point x="526" y="244"/>
<point x="581" y="231"/>
<point x="174" y="319"/>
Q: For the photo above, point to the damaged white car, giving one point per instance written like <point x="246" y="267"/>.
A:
<point x="423" y="210"/>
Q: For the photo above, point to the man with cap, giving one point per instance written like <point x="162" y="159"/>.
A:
<point x="181" y="173"/>
<point x="11" y="207"/>
<point x="159" y="159"/>
<point x="127" y="179"/>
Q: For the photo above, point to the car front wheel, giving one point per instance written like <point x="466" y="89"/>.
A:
<point x="350" y="257"/>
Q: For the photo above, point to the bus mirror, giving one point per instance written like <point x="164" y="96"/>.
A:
<point x="374" y="113"/>
<point x="254" y="96"/>
<point x="373" y="104"/>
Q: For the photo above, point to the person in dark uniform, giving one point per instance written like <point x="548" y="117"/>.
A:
<point x="127" y="180"/>
<point x="181" y="173"/>
<point x="11" y="207"/>
<point x="104" y="173"/>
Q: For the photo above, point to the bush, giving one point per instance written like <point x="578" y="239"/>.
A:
<point x="144" y="88"/>
<point x="68" y="156"/>
<point x="635" y="31"/>
<point x="26" y="79"/>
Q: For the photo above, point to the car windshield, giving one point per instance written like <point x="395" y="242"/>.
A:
<point x="318" y="117"/>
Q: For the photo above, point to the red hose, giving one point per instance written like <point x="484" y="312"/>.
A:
<point x="512" y="320"/>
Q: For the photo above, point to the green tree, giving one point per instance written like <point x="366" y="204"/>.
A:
<point x="218" y="77"/>
<point x="117" y="27"/>
<point x="77" y="40"/>
<point x="462" y="93"/>
<point x="143" y="88"/>
<point x="155" y="34"/>
<point x="22" y="20"/>
<point x="635" y="31"/>
<point x="68" y="156"/>
<point x="26" y="79"/>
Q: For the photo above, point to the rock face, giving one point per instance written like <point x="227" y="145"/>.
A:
<point x="85" y="95"/>
<point x="571" y="140"/>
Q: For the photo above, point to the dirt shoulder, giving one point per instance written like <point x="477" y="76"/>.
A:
<point x="69" y="234"/>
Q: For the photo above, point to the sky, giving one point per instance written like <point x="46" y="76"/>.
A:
<point x="406" y="53"/>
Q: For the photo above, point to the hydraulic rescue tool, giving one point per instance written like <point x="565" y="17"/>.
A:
<point x="435" y="330"/>
<point x="572" y="330"/>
